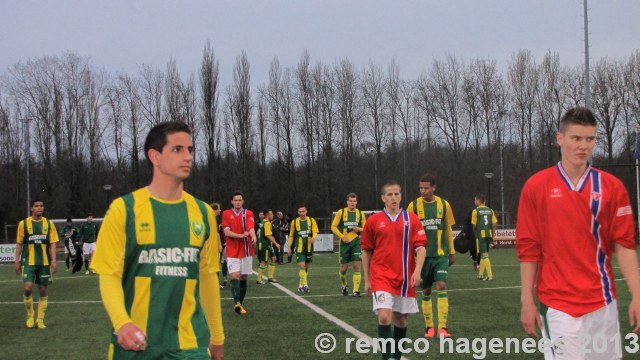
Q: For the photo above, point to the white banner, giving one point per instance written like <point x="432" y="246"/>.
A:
<point x="324" y="243"/>
<point x="7" y="253"/>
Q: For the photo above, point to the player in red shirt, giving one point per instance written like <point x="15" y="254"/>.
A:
<point x="240" y="235"/>
<point x="571" y="219"/>
<point x="393" y="250"/>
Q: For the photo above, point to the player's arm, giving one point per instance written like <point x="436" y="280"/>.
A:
<point x="416" y="277"/>
<point x="19" y="240"/>
<point x="448" y="232"/>
<point x="314" y="230"/>
<point x="363" y="221"/>
<point x="53" y="242"/>
<point x="529" y="315"/>
<point x="335" y="223"/>
<point x="268" y="232"/>
<point x="367" y="245"/>
<point x="628" y="261"/>
<point x="474" y="220"/>
<point x="210" y="297"/>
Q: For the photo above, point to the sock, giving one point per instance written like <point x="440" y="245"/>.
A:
<point x="235" y="290"/>
<point x="443" y="309"/>
<point x="398" y="334"/>
<point x="488" y="267"/>
<point x="384" y="332"/>
<point x="271" y="270"/>
<point x="357" y="276"/>
<point x="243" y="290"/>
<point x="28" y="304"/>
<point x="303" y="277"/>
<point x="86" y="264"/>
<point x="225" y="270"/>
<point x="260" y="272"/>
<point x="427" y="312"/>
<point x="42" y="308"/>
<point x="482" y="266"/>
<point x="343" y="278"/>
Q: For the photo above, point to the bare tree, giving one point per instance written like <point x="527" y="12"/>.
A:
<point x="373" y="96"/>
<point x="607" y="100"/>
<point x="209" y="89"/>
<point x="348" y="100"/>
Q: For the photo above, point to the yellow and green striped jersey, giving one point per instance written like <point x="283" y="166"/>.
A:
<point x="36" y="237"/>
<point x="344" y="222"/>
<point x="436" y="218"/>
<point x="160" y="249"/>
<point x="483" y="218"/>
<point x="265" y="230"/>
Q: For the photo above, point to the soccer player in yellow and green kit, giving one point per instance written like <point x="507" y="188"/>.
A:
<point x="484" y="225"/>
<point x="436" y="217"/>
<point x="266" y="249"/>
<point x="302" y="235"/>
<point x="347" y="226"/>
<point x="157" y="258"/>
<point x="36" y="259"/>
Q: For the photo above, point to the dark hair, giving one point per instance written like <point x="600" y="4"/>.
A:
<point x="34" y="201"/>
<point x="157" y="137"/>
<point x="89" y="214"/>
<point x="352" y="195"/>
<point x="236" y="193"/>
<point x="428" y="178"/>
<point x="578" y="115"/>
<point x="301" y="206"/>
<point x="481" y="198"/>
<point x="215" y="206"/>
<point x="387" y="184"/>
<point x="265" y="212"/>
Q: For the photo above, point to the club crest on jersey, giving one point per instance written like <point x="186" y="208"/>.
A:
<point x="596" y="196"/>
<point x="556" y="193"/>
<point x="197" y="227"/>
<point x="380" y="298"/>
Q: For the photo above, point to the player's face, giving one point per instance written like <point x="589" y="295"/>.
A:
<point x="176" y="158"/>
<point x="279" y="215"/>
<point x="237" y="202"/>
<point x="302" y="212"/>
<point x="217" y="212"/>
<point x="90" y="218"/>
<point x="261" y="215"/>
<point x="576" y="144"/>
<point x="269" y="216"/>
<point x="427" y="190"/>
<point x="352" y="203"/>
<point x="477" y="202"/>
<point x="392" y="197"/>
<point x="37" y="209"/>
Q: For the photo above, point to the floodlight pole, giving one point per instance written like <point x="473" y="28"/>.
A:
<point x="587" y="80"/>
<point x="27" y="143"/>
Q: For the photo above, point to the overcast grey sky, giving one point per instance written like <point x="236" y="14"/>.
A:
<point x="119" y="35"/>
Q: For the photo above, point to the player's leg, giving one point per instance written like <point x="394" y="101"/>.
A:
<point x="234" y="274"/>
<point x="428" y="278"/>
<point x="271" y="270"/>
<point x="43" y="301"/>
<point x="355" y="256"/>
<point x="262" y="258"/>
<point x="344" y="266"/>
<point x="28" y="278"/>
<point x="402" y="307"/>
<point x="67" y="253"/>
<point x="383" y="307"/>
<point x="302" y="273"/>
<point x="246" y="268"/>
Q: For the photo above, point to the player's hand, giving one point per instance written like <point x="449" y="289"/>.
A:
<point x="345" y="239"/>
<point x="18" y="268"/>
<point x="312" y="240"/>
<point x="289" y="251"/>
<point x="217" y="351"/>
<point x="54" y="267"/>
<point x="452" y="259"/>
<point x="634" y="315"/>
<point x="357" y="229"/>
<point x="416" y="278"/>
<point x="131" y="337"/>
<point x="530" y="318"/>
<point x="277" y="246"/>
<point x="367" y="287"/>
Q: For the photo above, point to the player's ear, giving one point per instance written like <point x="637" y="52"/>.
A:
<point x="154" y="156"/>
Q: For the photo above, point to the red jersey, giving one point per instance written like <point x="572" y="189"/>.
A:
<point x="238" y="223"/>
<point x="393" y="242"/>
<point x="571" y="232"/>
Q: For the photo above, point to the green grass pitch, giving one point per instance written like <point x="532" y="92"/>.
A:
<point x="278" y="326"/>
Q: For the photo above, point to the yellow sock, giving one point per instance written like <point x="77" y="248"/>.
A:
<point x="260" y="273"/>
<point x="42" y="308"/>
<point x="357" y="277"/>
<point x="443" y="309"/>
<point x="303" y="275"/>
<point x="343" y="279"/>
<point x="28" y="304"/>
<point x="488" y="267"/>
<point x="271" y="271"/>
<point x="306" y="276"/>
<point x="482" y="266"/>
<point x="427" y="312"/>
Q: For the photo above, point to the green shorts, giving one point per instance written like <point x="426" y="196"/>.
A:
<point x="305" y="257"/>
<point x="265" y="253"/>
<point x="482" y="245"/>
<point x="39" y="274"/>
<point x="350" y="251"/>
<point x="434" y="269"/>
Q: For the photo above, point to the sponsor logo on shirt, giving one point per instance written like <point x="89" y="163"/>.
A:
<point x="596" y="196"/>
<point x="556" y="193"/>
<point x="145" y="227"/>
<point x="382" y="224"/>
<point x="625" y="210"/>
